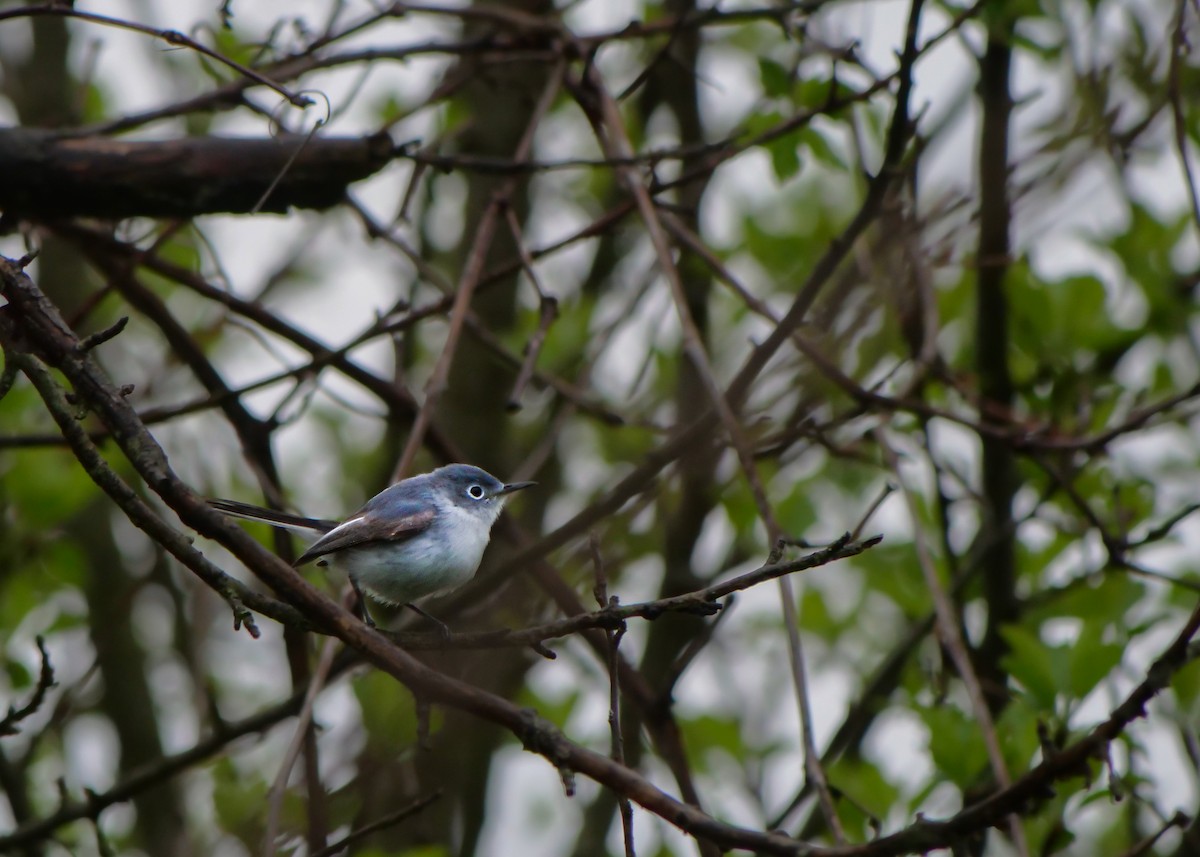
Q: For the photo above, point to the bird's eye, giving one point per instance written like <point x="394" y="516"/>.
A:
<point x="475" y="491"/>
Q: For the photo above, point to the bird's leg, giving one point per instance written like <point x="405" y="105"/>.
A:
<point x="443" y="628"/>
<point x="363" y="613"/>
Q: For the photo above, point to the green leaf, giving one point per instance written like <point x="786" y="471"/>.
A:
<point x="709" y="732"/>
<point x="783" y="150"/>
<point x="740" y="507"/>
<point x="1053" y="320"/>
<point x="785" y="157"/>
<point x="1016" y="730"/>
<point x="776" y="80"/>
<point x="892" y="570"/>
<point x="1041" y="669"/>
<point x="955" y="743"/>
<point x="47" y="488"/>
<point x="1186" y="684"/>
<point x="1090" y="660"/>
<point x="814" y="93"/>
<point x="824" y="153"/>
<point x="814" y="616"/>
<point x="555" y="711"/>
<point x="238" y="798"/>
<point x="865" y="785"/>
<point x="19" y="677"/>
<point x="388" y="713"/>
<point x="1108" y="596"/>
<point x="796" y="512"/>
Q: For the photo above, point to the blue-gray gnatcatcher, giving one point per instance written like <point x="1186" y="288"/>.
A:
<point x="425" y="534"/>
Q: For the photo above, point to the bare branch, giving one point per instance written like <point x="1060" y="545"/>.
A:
<point x="9" y="725"/>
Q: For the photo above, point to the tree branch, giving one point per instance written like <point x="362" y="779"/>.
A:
<point x="50" y="176"/>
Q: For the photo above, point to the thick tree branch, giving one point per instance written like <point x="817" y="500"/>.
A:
<point x="51" y="176"/>
<point x="998" y="467"/>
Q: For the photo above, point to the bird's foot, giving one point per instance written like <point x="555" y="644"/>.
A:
<point x="363" y="612"/>
<point x="443" y="628"/>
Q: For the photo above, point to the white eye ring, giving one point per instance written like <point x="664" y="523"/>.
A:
<point x="476" y="492"/>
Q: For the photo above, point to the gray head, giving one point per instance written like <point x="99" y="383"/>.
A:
<point x="473" y="489"/>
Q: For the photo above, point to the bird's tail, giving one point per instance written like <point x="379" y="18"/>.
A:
<point x="272" y="517"/>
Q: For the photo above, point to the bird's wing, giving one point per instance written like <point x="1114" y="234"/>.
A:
<point x="372" y="525"/>
<point x="272" y="517"/>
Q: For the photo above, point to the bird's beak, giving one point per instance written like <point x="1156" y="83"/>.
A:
<point x="513" y="486"/>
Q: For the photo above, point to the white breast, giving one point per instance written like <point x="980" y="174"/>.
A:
<point x="402" y="572"/>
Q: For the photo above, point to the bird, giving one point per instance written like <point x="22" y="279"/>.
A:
<point x="424" y="535"/>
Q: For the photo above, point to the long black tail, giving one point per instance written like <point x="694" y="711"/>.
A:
<point x="270" y="516"/>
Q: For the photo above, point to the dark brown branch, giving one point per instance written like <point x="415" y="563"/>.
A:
<point x="9" y="725"/>
<point x="998" y="474"/>
<point x="548" y="312"/>
<point x="389" y="820"/>
<point x="614" y="636"/>
<point x="50" y="176"/>
<point x="703" y="602"/>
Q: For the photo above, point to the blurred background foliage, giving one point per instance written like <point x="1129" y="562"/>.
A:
<point x="1018" y="325"/>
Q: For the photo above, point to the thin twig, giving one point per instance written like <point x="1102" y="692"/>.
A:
<point x="100" y="337"/>
<point x="279" y="787"/>
<point x="548" y="312"/>
<point x="702" y="602"/>
<point x="9" y="724"/>
<point x="613" y="636"/>
<point x="1179" y="51"/>
<point x="287" y="165"/>
<point x="950" y="635"/>
<point x="389" y="820"/>
<point x="814" y="771"/>
<point x="1179" y="819"/>
<point x="696" y="645"/>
